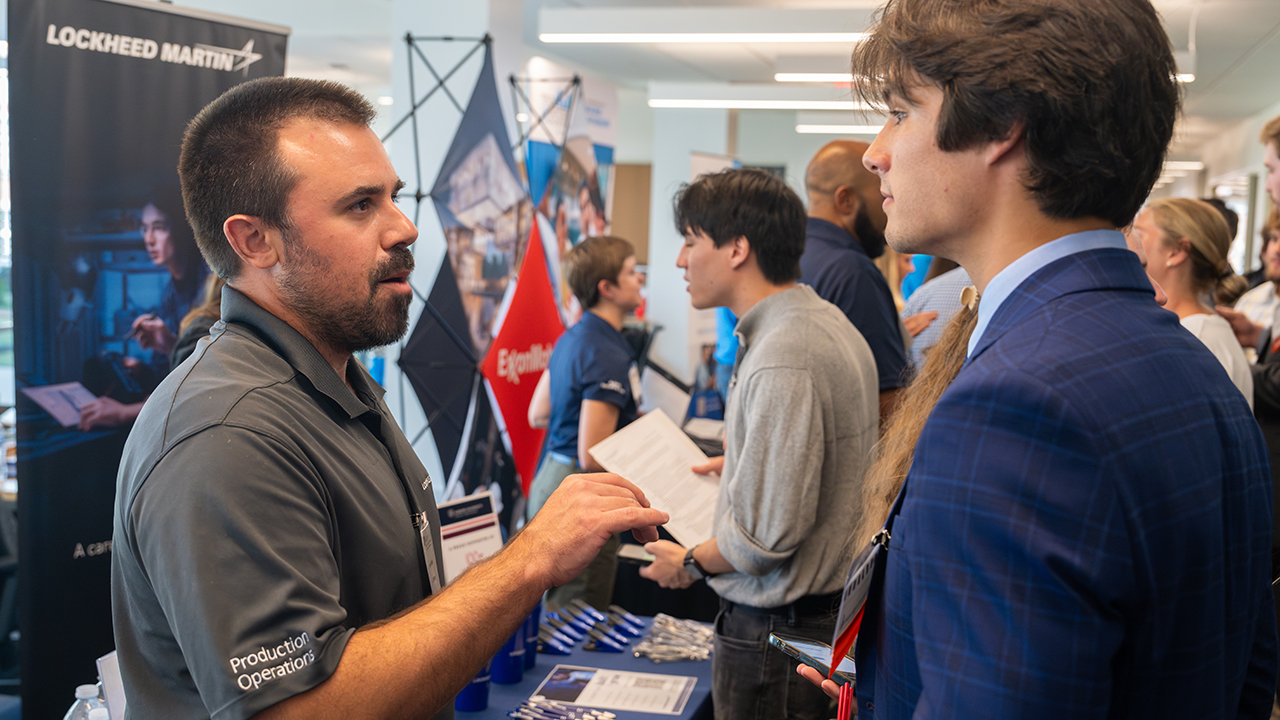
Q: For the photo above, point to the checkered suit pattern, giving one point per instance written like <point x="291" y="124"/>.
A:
<point x="1086" y="530"/>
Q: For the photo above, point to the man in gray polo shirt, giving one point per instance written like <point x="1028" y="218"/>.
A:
<point x="275" y="535"/>
<point x="800" y="421"/>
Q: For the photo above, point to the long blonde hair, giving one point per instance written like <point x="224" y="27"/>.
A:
<point x="896" y="450"/>
<point x="1204" y="228"/>
<point x="210" y="307"/>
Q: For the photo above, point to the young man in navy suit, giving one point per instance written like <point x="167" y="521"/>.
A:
<point x="1085" y="530"/>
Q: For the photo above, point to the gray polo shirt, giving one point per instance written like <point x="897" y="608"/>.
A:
<point x="263" y="514"/>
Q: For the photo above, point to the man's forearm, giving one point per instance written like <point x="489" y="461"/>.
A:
<point x="708" y="556"/>
<point x="412" y="665"/>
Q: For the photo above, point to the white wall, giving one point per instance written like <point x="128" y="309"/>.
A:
<point x="1238" y="149"/>
<point x="635" y="128"/>
<point x="676" y="135"/>
<point x="769" y="137"/>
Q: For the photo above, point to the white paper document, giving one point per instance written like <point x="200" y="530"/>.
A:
<point x="63" y="401"/>
<point x="657" y="456"/>
<point x="469" y="533"/>
<point x="617" y="689"/>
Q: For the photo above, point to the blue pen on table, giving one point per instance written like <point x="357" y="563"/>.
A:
<point x="559" y="624"/>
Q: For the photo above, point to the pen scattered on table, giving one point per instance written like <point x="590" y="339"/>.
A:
<point x="577" y="621"/>
<point x="535" y="709"/>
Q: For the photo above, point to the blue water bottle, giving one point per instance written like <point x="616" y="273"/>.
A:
<point x="508" y="664"/>
<point x="531" y="636"/>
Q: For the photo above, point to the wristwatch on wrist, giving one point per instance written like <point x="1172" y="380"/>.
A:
<point x="694" y="568"/>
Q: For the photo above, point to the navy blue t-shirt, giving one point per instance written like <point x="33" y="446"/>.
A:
<point x="840" y="271"/>
<point x="591" y="361"/>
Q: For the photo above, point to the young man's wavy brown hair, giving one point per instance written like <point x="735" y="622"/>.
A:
<point x="1091" y="83"/>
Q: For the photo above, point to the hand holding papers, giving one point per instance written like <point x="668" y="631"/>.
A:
<point x="657" y="456"/>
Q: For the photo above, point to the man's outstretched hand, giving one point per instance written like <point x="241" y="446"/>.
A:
<point x="579" y="517"/>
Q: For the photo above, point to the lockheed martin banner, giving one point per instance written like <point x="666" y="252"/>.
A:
<point x="100" y="92"/>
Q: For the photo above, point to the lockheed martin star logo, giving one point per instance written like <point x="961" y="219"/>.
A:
<point x="245" y="54"/>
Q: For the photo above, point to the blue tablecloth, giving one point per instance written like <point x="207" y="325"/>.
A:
<point x="504" y="698"/>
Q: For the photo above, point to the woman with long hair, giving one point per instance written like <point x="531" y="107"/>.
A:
<point x="1186" y="242"/>
<point x="170" y="244"/>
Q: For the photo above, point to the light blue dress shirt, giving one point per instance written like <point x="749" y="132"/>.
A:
<point x="1008" y="279"/>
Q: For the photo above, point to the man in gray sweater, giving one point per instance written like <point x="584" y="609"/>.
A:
<point x="801" y="418"/>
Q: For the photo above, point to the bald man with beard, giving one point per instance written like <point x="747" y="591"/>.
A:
<point x="845" y="232"/>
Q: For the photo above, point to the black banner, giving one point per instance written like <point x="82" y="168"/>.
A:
<point x="100" y="92"/>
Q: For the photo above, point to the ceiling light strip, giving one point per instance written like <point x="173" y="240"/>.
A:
<point x="712" y="104"/>
<point x="839" y="129"/>
<point x="654" y="38"/>
<point x="813" y="77"/>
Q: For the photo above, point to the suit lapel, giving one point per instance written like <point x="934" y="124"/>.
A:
<point x="1106" y="269"/>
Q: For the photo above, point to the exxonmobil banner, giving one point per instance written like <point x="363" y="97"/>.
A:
<point x="100" y="92"/>
<point x="519" y="353"/>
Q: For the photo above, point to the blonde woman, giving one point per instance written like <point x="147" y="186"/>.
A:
<point x="1186" y="242"/>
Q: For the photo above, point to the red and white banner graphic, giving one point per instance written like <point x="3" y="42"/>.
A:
<point x="520" y="352"/>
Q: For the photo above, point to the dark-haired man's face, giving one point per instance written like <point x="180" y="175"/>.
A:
<point x="346" y="260"/>
<point x="930" y="196"/>
<point x="708" y="270"/>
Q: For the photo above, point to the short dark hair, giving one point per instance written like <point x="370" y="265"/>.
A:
<point x="230" y="163"/>
<point x="1231" y="216"/>
<point x="592" y="260"/>
<point x="1091" y="82"/>
<point x="747" y="203"/>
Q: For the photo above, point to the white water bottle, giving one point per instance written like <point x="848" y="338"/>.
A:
<point x="86" y="701"/>
<point x="99" y="713"/>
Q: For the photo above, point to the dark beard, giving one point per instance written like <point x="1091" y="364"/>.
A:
<point x="871" y="239"/>
<point x="353" y="328"/>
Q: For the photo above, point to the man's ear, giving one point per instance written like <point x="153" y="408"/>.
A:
<point x="254" y="241"/>
<point x="739" y="251"/>
<point x="999" y="150"/>
<point x="847" y="201"/>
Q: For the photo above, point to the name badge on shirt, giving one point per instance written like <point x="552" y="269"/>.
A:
<point x="421" y="522"/>
<point x="634" y="376"/>
<point x="857" y="588"/>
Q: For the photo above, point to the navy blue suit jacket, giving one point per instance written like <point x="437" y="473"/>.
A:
<point x="1086" y="528"/>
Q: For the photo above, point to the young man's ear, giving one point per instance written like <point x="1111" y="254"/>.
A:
<point x="739" y="252"/>
<point x="999" y="150"/>
<point x="257" y="244"/>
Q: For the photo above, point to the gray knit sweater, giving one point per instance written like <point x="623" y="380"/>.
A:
<point x="801" y="419"/>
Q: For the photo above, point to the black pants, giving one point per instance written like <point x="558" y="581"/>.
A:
<point x="751" y="680"/>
